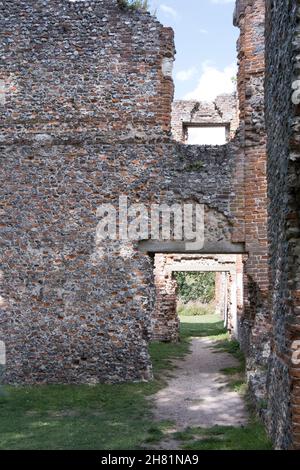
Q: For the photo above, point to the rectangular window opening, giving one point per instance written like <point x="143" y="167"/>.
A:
<point x="206" y="135"/>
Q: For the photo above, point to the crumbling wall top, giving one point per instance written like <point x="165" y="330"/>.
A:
<point x="70" y="68"/>
<point x="239" y="10"/>
<point x="221" y="111"/>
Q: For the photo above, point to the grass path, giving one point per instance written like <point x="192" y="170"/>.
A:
<point x="106" y="417"/>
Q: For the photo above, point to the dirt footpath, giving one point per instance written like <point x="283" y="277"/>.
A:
<point x="197" y="395"/>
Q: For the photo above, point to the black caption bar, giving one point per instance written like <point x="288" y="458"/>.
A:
<point x="147" y="459"/>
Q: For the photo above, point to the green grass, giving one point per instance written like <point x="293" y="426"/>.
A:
<point x="201" y="326"/>
<point x="194" y="309"/>
<point x="250" y="437"/>
<point x="162" y="355"/>
<point x="106" y="417"/>
<point x="236" y="375"/>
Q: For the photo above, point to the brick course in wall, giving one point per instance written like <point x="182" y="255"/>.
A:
<point x="228" y="269"/>
<point x="223" y="111"/>
<point x="86" y="118"/>
<point x="255" y="321"/>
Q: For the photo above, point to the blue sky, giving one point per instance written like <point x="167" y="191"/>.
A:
<point x="206" y="45"/>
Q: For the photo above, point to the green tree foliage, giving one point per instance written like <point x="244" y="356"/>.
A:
<point x="134" y="4"/>
<point x="195" y="286"/>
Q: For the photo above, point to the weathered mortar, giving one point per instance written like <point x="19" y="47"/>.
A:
<point x="86" y="118"/>
<point x="282" y="120"/>
<point x="223" y="110"/>
<point x="71" y="68"/>
<point x="255" y="321"/>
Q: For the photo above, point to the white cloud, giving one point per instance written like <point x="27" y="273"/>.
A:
<point x="213" y="82"/>
<point x="169" y="11"/>
<point x="185" y="75"/>
<point x="222" y="1"/>
<point x="203" y="31"/>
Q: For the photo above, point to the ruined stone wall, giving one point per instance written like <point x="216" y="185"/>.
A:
<point x="223" y="111"/>
<point x="164" y="319"/>
<point x="220" y="284"/>
<point x="85" y="118"/>
<point x="240" y="262"/>
<point x="282" y="124"/>
<point x="71" y="312"/>
<point x="255" y="321"/>
<point x="271" y="317"/>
